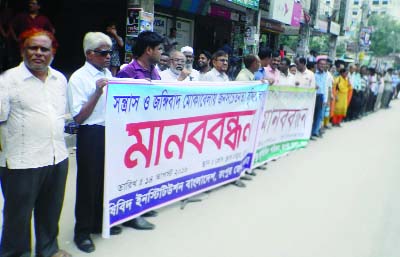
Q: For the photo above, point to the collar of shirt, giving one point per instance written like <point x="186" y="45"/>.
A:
<point x="93" y="70"/>
<point x="270" y="70"/>
<point x="27" y="74"/>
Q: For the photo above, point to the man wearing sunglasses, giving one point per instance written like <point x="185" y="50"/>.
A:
<point x="87" y="105"/>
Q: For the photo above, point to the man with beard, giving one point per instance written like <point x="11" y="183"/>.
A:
<point x="204" y="62"/>
<point x="272" y="70"/>
<point x="188" y="52"/>
<point x="177" y="70"/>
<point x="163" y="64"/>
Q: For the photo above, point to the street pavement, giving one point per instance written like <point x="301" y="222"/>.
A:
<point x="339" y="197"/>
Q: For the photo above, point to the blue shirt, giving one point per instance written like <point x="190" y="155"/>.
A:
<point x="321" y="81"/>
<point x="260" y="74"/>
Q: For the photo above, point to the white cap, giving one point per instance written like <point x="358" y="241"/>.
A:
<point x="187" y="49"/>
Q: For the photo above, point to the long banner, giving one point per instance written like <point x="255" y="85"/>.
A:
<point x="168" y="141"/>
<point x="285" y="122"/>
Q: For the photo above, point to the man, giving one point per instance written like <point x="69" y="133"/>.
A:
<point x="355" y="104"/>
<point x="148" y="50"/>
<point x="220" y="61"/>
<point x="251" y="66"/>
<point x="163" y="64"/>
<point x="170" y="41"/>
<point x="321" y="79"/>
<point x="292" y="68"/>
<point x="204" y="62"/>
<point x="177" y="70"/>
<point x="87" y="105"/>
<point x="265" y="58"/>
<point x="273" y="73"/>
<point x="364" y="90"/>
<point x="286" y="78"/>
<point x="304" y="77"/>
<point x="27" y="20"/>
<point x="188" y="52"/>
<point x="34" y="155"/>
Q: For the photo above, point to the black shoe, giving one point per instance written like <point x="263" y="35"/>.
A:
<point x="115" y="230"/>
<point x="85" y="244"/>
<point x="239" y="183"/>
<point x="251" y="173"/>
<point x="139" y="223"/>
<point x="313" y="138"/>
<point x="150" y="214"/>
<point x="246" y="177"/>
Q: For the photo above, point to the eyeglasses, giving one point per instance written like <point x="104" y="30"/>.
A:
<point x="178" y="60"/>
<point x="189" y="56"/>
<point x="103" y="52"/>
<point x="223" y="60"/>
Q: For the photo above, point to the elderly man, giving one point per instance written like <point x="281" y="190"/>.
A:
<point x="177" y="70"/>
<point x="87" y="104"/>
<point x="251" y="66"/>
<point x="220" y="60"/>
<point x="304" y="77"/>
<point x="188" y="52"/>
<point x="33" y="104"/>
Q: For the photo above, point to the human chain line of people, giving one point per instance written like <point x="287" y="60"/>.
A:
<point x="34" y="97"/>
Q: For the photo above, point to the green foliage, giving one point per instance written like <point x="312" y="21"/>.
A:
<point x="319" y="44"/>
<point x="385" y="36"/>
<point x="289" y="41"/>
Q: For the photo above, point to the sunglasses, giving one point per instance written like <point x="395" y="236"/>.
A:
<point x="103" y="52"/>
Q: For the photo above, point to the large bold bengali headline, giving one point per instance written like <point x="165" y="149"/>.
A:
<point x="168" y="141"/>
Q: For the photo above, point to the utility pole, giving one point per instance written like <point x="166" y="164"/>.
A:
<point x="306" y="29"/>
<point x="363" y="22"/>
<point x="333" y="17"/>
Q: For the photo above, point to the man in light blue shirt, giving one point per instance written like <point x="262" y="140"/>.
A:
<point x="321" y="78"/>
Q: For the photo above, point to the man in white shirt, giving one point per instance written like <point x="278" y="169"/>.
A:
<point x="189" y="54"/>
<point x="304" y="77"/>
<point x="87" y="104"/>
<point x="286" y="78"/>
<point x="177" y="70"/>
<point x="34" y="154"/>
<point x="220" y="61"/>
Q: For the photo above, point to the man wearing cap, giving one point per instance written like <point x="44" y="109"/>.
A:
<point x="188" y="52"/>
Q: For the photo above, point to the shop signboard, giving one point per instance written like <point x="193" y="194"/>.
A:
<point x="252" y="4"/>
<point x="281" y="11"/>
<point x="146" y="21"/>
<point x="322" y="26"/>
<point x="296" y="15"/>
<point x="160" y="25"/>
<point x="334" y="28"/>
<point x="133" y="21"/>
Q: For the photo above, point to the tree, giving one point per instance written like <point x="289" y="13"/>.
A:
<point x="385" y="36"/>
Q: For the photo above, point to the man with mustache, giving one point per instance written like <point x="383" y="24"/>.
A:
<point x="177" y="70"/>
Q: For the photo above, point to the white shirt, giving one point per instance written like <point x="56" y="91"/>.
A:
<point x="305" y="79"/>
<point x="33" y="115"/>
<point x="286" y="80"/>
<point x="245" y="75"/>
<point x="214" y="75"/>
<point x="168" y="75"/>
<point x="81" y="87"/>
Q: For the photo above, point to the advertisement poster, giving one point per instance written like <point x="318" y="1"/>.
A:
<point x="132" y="21"/>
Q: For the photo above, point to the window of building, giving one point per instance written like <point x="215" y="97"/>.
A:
<point x="355" y="12"/>
<point x="385" y="1"/>
<point x="374" y="12"/>
<point x="328" y="1"/>
<point x="383" y="12"/>
<point x="356" y="2"/>
<point x="375" y="2"/>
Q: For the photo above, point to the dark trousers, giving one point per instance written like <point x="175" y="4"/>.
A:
<point x="371" y="102"/>
<point x="40" y="190"/>
<point x="316" y="126"/>
<point x="355" y="105"/>
<point x="90" y="180"/>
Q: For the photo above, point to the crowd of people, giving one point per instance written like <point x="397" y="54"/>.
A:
<point x="34" y="98"/>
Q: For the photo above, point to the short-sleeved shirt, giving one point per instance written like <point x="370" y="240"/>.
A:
<point x="214" y="75"/>
<point x="81" y="87"/>
<point x="135" y="71"/>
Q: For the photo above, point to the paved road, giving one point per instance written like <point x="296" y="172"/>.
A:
<point x="339" y="197"/>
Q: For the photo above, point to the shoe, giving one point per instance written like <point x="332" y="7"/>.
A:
<point x="251" y="173"/>
<point x="246" y="177"/>
<point x="139" y="223"/>
<point x="313" y="138"/>
<point x="239" y="183"/>
<point x="150" y="214"/>
<point x="61" y="253"/>
<point x="85" y="244"/>
<point x="115" y="230"/>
